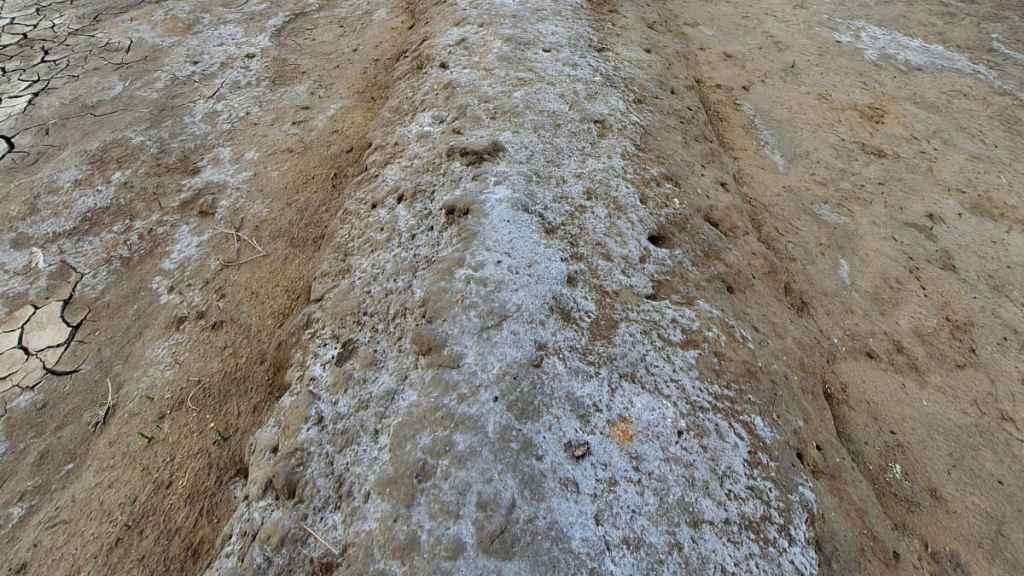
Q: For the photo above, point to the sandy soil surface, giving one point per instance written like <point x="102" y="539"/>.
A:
<point x="511" y="287"/>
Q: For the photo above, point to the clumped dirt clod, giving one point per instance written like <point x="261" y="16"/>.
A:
<point x="577" y="449"/>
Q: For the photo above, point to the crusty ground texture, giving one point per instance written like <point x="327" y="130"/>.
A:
<point x="511" y="287"/>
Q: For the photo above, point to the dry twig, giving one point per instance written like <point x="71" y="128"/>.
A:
<point x="235" y="234"/>
<point x="188" y="400"/>
<point x="321" y="540"/>
<point x="219" y="86"/>
<point x="101" y="418"/>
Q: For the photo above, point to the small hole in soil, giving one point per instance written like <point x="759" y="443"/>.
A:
<point x="653" y="297"/>
<point x="454" y="212"/>
<point x="713" y="222"/>
<point x="659" y="240"/>
<point x="730" y="289"/>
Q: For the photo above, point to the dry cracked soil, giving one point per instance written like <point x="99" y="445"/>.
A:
<point x="511" y="287"/>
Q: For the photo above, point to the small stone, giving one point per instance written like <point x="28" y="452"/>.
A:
<point x="207" y="206"/>
<point x="11" y="361"/>
<point x="16" y="319"/>
<point x="577" y="449"/>
<point x="46" y="328"/>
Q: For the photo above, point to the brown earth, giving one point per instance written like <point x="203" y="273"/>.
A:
<point x="844" y="198"/>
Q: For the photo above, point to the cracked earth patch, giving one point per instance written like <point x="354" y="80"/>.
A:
<point x="45" y="45"/>
<point x="33" y="339"/>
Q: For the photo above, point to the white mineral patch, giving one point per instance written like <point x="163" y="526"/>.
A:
<point x="766" y="136"/>
<point x="159" y="285"/>
<point x="1002" y="48"/>
<point x="878" y="42"/>
<point x="224" y="55"/>
<point x="63" y="209"/>
<point x="226" y="170"/>
<point x="827" y="213"/>
<point x="185" y="248"/>
<point x="11" y="516"/>
<point x="844" y="271"/>
<point x="896" y="472"/>
<point x="37" y="258"/>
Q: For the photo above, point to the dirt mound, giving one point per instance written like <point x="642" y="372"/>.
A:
<point x="510" y="287"/>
